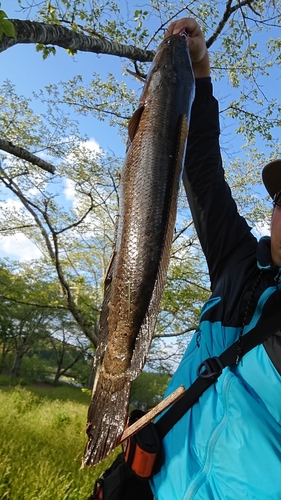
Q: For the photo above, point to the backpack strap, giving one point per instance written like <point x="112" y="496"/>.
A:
<point x="210" y="369"/>
<point x="120" y="480"/>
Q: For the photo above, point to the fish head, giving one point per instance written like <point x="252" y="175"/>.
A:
<point x="171" y="71"/>
<point x="171" y="61"/>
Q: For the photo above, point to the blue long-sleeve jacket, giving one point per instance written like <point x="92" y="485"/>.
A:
<point x="228" y="446"/>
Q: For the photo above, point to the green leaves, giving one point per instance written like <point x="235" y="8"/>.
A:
<point x="40" y="47"/>
<point x="6" y="27"/>
<point x="148" y="389"/>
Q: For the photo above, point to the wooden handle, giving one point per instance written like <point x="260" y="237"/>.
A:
<point x="150" y="415"/>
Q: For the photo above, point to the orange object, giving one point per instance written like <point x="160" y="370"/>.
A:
<point x="143" y="450"/>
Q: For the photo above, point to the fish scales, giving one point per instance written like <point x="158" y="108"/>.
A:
<point x="147" y="210"/>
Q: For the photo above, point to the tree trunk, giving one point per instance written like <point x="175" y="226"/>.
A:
<point x="57" y="376"/>
<point x="15" y="371"/>
<point x="4" y="353"/>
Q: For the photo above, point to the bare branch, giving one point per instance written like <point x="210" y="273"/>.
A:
<point x="33" y="304"/>
<point x="96" y="107"/>
<point x="79" y="221"/>
<point x="175" y="334"/>
<point x="164" y="25"/>
<point x="179" y="233"/>
<point x="30" y="208"/>
<point x="276" y="122"/>
<point x="16" y="228"/>
<point x="22" y="153"/>
<point x="53" y="250"/>
<point x="226" y="15"/>
<point x="88" y="329"/>
<point x="252" y="9"/>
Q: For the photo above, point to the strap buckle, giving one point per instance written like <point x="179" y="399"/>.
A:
<point x="210" y="368"/>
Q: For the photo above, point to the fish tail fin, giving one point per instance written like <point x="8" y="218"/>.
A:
<point x="107" y="416"/>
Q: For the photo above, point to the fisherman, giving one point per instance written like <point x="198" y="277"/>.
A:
<point x="228" y="445"/>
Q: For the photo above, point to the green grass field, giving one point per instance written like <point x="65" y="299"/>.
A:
<point x="42" y="437"/>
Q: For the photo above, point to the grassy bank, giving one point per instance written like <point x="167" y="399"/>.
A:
<point x="42" y="437"/>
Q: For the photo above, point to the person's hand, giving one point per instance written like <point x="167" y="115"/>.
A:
<point x="196" y="44"/>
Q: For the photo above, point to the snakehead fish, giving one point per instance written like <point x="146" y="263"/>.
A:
<point x="147" y="210"/>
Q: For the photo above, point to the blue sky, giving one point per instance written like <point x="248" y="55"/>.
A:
<point x="29" y="72"/>
<point x="25" y="67"/>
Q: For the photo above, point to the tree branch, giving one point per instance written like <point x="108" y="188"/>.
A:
<point x="30" y="208"/>
<point x="62" y="371"/>
<point x="48" y="34"/>
<point x="16" y="228"/>
<point x="179" y="233"/>
<point x="175" y="334"/>
<point x="53" y="250"/>
<point x="95" y="107"/>
<point x="89" y="330"/>
<point x="22" y="153"/>
<point x="226" y="15"/>
<point x="33" y="304"/>
<point x="275" y="122"/>
<point x="83" y="217"/>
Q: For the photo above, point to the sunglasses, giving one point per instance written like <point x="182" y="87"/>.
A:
<point x="277" y="199"/>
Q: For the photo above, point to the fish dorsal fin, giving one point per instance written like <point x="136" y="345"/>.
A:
<point x="134" y="122"/>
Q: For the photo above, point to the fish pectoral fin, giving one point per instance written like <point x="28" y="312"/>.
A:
<point x="134" y="122"/>
<point x="108" y="273"/>
<point x="136" y="75"/>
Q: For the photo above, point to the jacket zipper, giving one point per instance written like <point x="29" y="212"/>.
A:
<point x="201" y="476"/>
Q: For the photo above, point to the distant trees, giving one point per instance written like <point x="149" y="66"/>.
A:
<point x="148" y="390"/>
<point x="68" y="347"/>
<point x="20" y="325"/>
<point x="30" y="327"/>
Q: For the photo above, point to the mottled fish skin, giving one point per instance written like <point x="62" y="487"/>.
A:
<point x="147" y="211"/>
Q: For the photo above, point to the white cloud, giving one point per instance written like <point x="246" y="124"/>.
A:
<point x="69" y="190"/>
<point x="92" y="145"/>
<point x="18" y="247"/>
<point x="9" y="204"/>
<point x="33" y="191"/>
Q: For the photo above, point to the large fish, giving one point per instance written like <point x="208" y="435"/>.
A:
<point x="136" y="277"/>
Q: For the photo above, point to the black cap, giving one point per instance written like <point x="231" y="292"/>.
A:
<point x="271" y="176"/>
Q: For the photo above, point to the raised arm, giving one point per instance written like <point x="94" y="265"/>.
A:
<point x="224" y="235"/>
